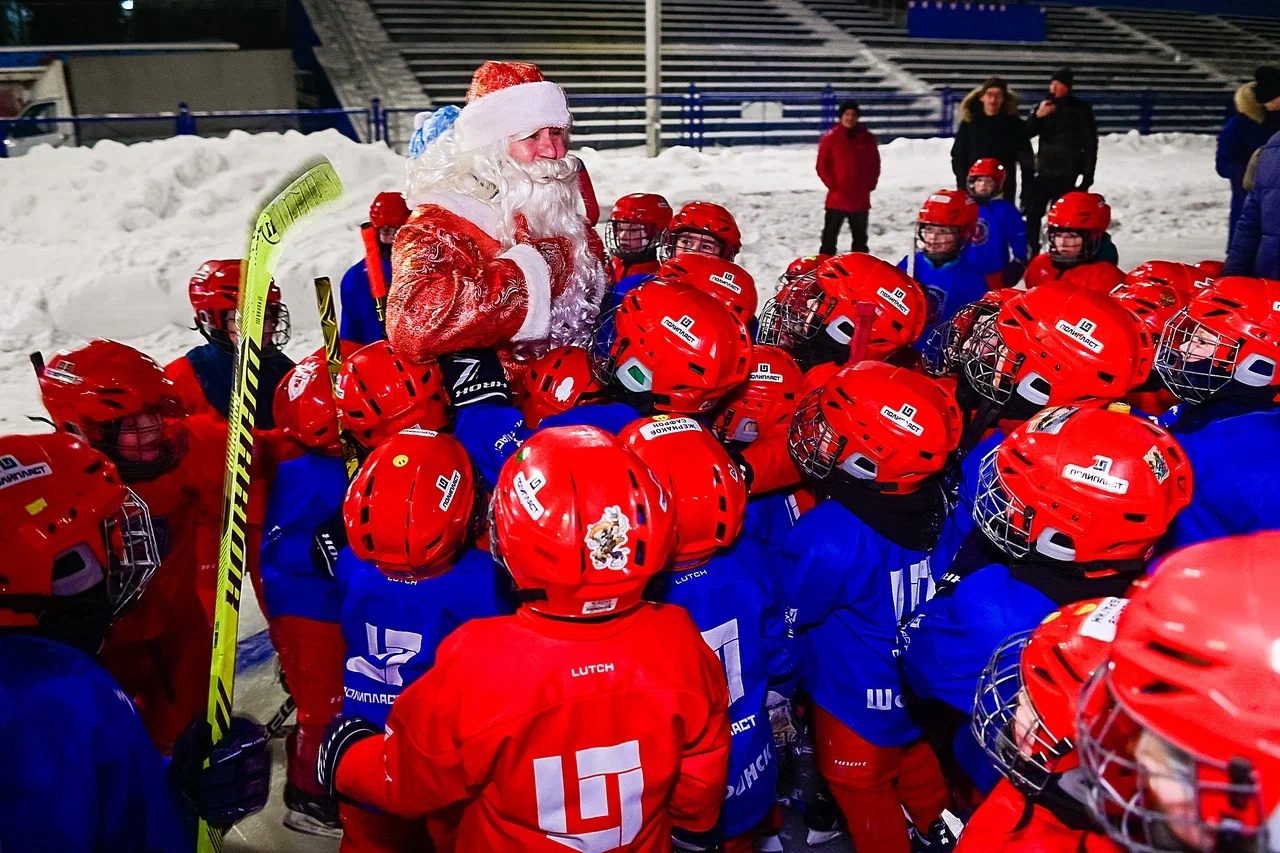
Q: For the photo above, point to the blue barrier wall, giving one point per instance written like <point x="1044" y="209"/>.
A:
<point x="936" y="19"/>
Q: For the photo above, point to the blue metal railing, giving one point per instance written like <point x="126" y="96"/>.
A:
<point x="695" y="117"/>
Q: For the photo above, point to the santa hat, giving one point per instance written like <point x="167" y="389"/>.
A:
<point x="509" y="99"/>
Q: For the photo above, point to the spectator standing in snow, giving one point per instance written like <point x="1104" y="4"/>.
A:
<point x="849" y="166"/>
<point x="1256" y="120"/>
<point x="990" y="127"/>
<point x="1068" y="151"/>
<point x="1255" y="240"/>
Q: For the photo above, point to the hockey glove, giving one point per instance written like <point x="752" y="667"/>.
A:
<point x="329" y="538"/>
<point x="238" y="779"/>
<point x="475" y="376"/>
<point x="341" y="734"/>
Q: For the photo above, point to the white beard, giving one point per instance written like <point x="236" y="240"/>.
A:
<point x="546" y="193"/>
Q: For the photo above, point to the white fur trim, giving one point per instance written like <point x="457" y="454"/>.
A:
<point x="537" y="280"/>
<point x="515" y="111"/>
<point x="479" y="213"/>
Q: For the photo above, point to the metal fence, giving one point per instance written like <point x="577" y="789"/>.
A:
<point x="695" y="118"/>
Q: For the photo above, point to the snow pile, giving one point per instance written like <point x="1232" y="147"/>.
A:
<point x="101" y="241"/>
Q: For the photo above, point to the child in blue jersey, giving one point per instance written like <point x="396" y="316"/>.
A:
<point x="410" y="575"/>
<point x="999" y="245"/>
<point x="874" y="440"/>
<point x="360" y="323"/>
<point x="80" y="773"/>
<point x="1219" y="355"/>
<point x="722" y="581"/>
<point x="1075" y="499"/>
<point x="945" y="226"/>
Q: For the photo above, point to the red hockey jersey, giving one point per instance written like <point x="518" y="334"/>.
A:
<point x="999" y="824"/>
<point x="589" y="735"/>
<point x="1101" y="276"/>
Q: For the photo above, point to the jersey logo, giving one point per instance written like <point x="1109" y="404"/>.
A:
<point x="596" y="771"/>
<point x="13" y="472"/>
<point x="680" y="328"/>
<point x="1081" y="333"/>
<point x="303" y="372"/>
<point x="911" y="587"/>
<point x="725" y="280"/>
<point x="903" y="418"/>
<point x="764" y="373"/>
<point x="448" y="487"/>
<point x="723" y="640"/>
<point x="387" y="656"/>
<point x="564" y="390"/>
<point x="981" y="233"/>
<point x="527" y="492"/>
<point x="896" y="297"/>
<point x="606" y="540"/>
<point x="1098" y="475"/>
<point x="883" y="699"/>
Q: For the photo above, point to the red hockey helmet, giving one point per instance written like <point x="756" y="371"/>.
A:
<point x="828" y="305"/>
<point x="636" y="224"/>
<point x="120" y="400"/>
<point x="1178" y="732"/>
<point x="1208" y="270"/>
<point x="413" y="506"/>
<point x="729" y="283"/>
<point x="69" y="524"/>
<point x="880" y="424"/>
<point x="388" y="210"/>
<point x="1228" y="332"/>
<point x="303" y="406"/>
<point x="580" y="521"/>
<point x="1154" y="302"/>
<point x="680" y="345"/>
<point x="214" y="292"/>
<point x="1025" y="711"/>
<point x="379" y="393"/>
<point x="1080" y="485"/>
<point x="765" y="403"/>
<point x="1180" y="277"/>
<point x="802" y="268"/>
<point x="1077" y="213"/>
<point x="709" y="491"/>
<point x="701" y="227"/>
<point x="1056" y="345"/>
<point x="557" y="382"/>
<point x="945" y="224"/>
<point x="988" y="169"/>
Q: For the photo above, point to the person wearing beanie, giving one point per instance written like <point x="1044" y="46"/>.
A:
<point x="495" y="252"/>
<point x="1257" y="119"/>
<point x="849" y="166"/>
<point x="990" y="127"/>
<point x="1068" y="151"/>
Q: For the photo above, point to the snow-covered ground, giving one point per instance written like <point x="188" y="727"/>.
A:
<point x="101" y="241"/>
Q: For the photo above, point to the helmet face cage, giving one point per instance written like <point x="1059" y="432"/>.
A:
<point x="800" y="310"/>
<point x="1132" y="772"/>
<point x="1194" y="361"/>
<point x="989" y="364"/>
<point x="946" y="349"/>
<point x="943" y="257"/>
<point x="1000" y="514"/>
<point x="218" y="327"/>
<point x="997" y="184"/>
<point x="1008" y="726"/>
<point x="1092" y="242"/>
<point x="618" y="232"/>
<point x="813" y="444"/>
<point x="668" y="248"/>
<point x="133" y="551"/>
<point x="153" y="449"/>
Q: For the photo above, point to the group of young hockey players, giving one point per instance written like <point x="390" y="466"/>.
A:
<point x="969" y="552"/>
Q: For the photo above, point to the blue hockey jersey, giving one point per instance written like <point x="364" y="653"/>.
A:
<point x="1236" y="471"/>
<point x="948" y="288"/>
<point x="306" y="492"/>
<point x="1001" y="237"/>
<point x="359" y="319"/>
<point x="393" y="628"/>
<point x="80" y="774"/>
<point x="850" y="588"/>
<point x="736" y="607"/>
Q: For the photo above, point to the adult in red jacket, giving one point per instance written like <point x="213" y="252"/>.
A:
<point x="849" y="165"/>
<point x="589" y="719"/>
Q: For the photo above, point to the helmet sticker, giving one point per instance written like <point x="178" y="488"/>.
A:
<point x="1101" y="624"/>
<point x="63" y="372"/>
<point x="1051" y="420"/>
<point x="606" y="540"/>
<point x="527" y="492"/>
<point x="680" y="328"/>
<point x="416" y="430"/>
<point x="764" y="373"/>
<point x="564" y="390"/>
<point x="602" y="605"/>
<point x="1098" y="475"/>
<point x="302" y="374"/>
<point x="1159" y="465"/>
<point x="666" y="426"/>
<point x="13" y="472"/>
<point x="725" y="280"/>
<point x="1081" y="333"/>
<point x="896" y="297"/>
<point x="448" y="487"/>
<point x="903" y="418"/>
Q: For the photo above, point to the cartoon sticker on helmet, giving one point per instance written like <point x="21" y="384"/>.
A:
<point x="1159" y="465"/>
<point x="606" y="540"/>
<point x="302" y="374"/>
<point x="1051" y="420"/>
<point x="564" y="390"/>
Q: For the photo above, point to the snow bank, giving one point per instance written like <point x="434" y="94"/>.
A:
<point x="102" y="240"/>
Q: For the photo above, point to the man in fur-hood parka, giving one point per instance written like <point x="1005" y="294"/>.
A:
<point x="1257" y="118"/>
<point x="990" y="127"/>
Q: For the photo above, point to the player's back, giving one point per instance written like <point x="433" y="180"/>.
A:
<point x="591" y="735"/>
<point x="80" y="773"/>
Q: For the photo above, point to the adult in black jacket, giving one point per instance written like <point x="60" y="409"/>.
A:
<point x="990" y="127"/>
<point x="1068" y="150"/>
